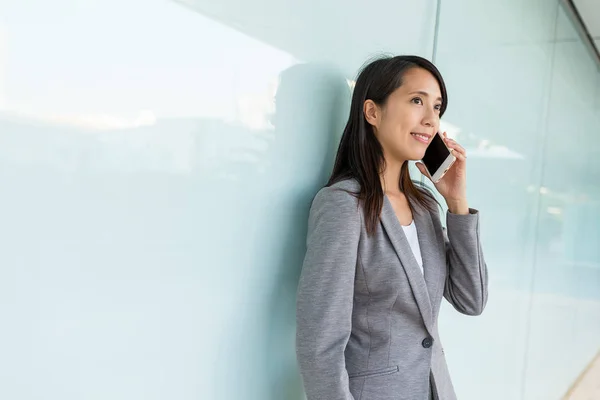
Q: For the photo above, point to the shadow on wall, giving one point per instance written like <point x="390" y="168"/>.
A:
<point x="324" y="96"/>
<point x="312" y="103"/>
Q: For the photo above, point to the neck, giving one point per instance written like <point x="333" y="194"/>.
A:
<point x="390" y="177"/>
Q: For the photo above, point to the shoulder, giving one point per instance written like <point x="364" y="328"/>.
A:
<point x="339" y="200"/>
<point x="350" y="185"/>
<point x="342" y="193"/>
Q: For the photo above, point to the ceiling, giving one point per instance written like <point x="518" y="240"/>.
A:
<point x="589" y="10"/>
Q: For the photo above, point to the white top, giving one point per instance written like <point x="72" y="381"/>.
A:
<point x="411" y="234"/>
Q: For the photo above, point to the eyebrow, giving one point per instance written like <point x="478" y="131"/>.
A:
<point x="424" y="94"/>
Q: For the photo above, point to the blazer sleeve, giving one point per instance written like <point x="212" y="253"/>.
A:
<point x="466" y="285"/>
<point x="325" y="294"/>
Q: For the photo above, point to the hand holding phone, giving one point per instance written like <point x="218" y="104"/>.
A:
<point x="438" y="158"/>
<point x="448" y="160"/>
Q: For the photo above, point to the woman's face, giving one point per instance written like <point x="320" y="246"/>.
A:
<point x="406" y="123"/>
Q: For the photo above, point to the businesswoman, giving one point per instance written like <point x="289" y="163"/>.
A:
<point x="378" y="260"/>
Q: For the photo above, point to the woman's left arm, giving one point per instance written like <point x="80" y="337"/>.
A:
<point x="466" y="286"/>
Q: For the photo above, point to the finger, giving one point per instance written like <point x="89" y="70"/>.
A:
<point x="453" y="145"/>
<point x="459" y="155"/>
<point x="458" y="151"/>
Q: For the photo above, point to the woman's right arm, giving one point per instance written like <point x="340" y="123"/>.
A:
<point x="325" y="294"/>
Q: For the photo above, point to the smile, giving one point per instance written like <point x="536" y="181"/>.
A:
<point x="421" y="137"/>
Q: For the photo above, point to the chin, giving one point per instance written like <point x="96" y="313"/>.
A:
<point x="410" y="153"/>
<point x="417" y="156"/>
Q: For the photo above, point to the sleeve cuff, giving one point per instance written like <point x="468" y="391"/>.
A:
<point x="462" y="222"/>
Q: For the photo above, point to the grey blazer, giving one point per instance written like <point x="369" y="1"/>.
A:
<point x="366" y="314"/>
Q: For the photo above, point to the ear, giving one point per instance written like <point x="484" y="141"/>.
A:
<point x="372" y="113"/>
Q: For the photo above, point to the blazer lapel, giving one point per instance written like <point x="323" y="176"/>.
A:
<point x="413" y="271"/>
<point x="429" y="245"/>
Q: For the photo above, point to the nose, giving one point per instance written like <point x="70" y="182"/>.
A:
<point x="430" y="118"/>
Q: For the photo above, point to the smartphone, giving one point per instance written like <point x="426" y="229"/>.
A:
<point x="438" y="158"/>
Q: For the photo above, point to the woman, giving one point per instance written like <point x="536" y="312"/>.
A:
<point x="378" y="260"/>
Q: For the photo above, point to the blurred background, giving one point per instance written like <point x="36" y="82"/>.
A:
<point x="158" y="159"/>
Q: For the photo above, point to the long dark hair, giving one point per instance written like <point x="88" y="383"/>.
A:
<point x="360" y="155"/>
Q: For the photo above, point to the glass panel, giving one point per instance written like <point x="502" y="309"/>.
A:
<point x="497" y="59"/>
<point x="522" y="88"/>
<point x="565" y="316"/>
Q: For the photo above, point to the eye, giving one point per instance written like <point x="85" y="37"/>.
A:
<point x="438" y="107"/>
<point x="417" y="100"/>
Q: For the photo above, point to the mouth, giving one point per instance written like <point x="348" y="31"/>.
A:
<point x="421" y="137"/>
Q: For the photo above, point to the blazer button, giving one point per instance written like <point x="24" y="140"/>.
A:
<point x="427" y="342"/>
